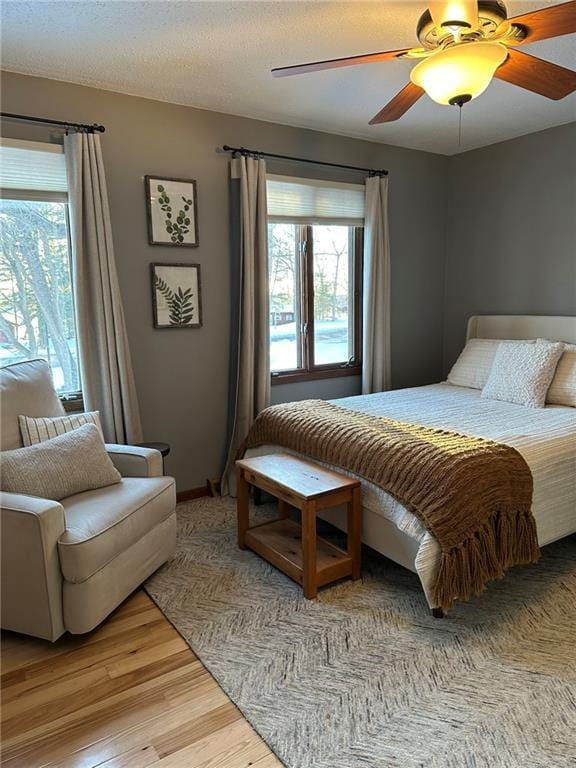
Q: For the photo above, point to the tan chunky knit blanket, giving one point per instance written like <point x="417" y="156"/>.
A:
<point x="473" y="495"/>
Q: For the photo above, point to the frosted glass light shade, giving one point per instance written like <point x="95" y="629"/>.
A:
<point x="462" y="12"/>
<point x="462" y="70"/>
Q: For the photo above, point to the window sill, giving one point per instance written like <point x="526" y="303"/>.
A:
<point x="291" y="377"/>
<point x="73" y="404"/>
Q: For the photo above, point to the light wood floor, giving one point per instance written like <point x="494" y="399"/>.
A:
<point x="129" y="695"/>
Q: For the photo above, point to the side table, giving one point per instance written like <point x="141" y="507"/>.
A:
<point x="164" y="449"/>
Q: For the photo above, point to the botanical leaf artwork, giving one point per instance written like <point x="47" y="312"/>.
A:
<point x="179" y="302"/>
<point x="177" y="225"/>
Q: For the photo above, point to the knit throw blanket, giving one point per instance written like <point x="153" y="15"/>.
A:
<point x="473" y="495"/>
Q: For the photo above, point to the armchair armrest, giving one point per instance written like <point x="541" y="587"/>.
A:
<point x="132" y="461"/>
<point x="31" y="575"/>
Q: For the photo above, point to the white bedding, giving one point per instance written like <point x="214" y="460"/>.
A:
<point x="546" y="438"/>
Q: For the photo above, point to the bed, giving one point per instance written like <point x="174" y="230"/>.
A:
<point x="545" y="437"/>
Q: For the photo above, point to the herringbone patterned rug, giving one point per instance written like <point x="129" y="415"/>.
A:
<point x="364" y="677"/>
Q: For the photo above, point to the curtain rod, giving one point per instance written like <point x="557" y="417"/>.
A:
<point x="46" y="121"/>
<point x="243" y="151"/>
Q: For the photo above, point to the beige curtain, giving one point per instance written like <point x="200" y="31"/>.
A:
<point x="376" y="306"/>
<point x="104" y="356"/>
<point x="252" y="386"/>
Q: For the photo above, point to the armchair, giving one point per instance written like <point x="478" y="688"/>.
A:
<point x="66" y="565"/>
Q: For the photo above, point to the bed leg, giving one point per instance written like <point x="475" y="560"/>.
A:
<point x="438" y="613"/>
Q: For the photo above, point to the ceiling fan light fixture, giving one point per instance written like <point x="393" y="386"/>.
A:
<point x="453" y="74"/>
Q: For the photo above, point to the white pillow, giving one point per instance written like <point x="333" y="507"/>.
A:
<point x="36" y="430"/>
<point x="521" y="373"/>
<point x="473" y="366"/>
<point x="54" y="469"/>
<point x="563" y="388"/>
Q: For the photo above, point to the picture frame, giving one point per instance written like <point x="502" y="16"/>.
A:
<point x="172" y="211"/>
<point x="176" y="295"/>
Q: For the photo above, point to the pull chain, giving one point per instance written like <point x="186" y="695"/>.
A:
<point x="459" y="101"/>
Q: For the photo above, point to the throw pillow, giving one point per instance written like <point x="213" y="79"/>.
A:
<point x="62" y="466"/>
<point x="563" y="387"/>
<point x="475" y="362"/>
<point x="521" y="373"/>
<point x="36" y="430"/>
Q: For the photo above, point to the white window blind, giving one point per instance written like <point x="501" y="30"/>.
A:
<point x="312" y="201"/>
<point x="32" y="165"/>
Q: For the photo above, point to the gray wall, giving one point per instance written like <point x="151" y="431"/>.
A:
<point x="511" y="231"/>
<point x="182" y="376"/>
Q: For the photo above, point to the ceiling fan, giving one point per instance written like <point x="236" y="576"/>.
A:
<point x="465" y="43"/>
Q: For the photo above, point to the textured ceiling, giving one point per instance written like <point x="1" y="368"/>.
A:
<point x="218" y="55"/>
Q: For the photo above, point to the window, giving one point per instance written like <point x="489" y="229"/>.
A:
<point x="36" y="299"/>
<point x="315" y="238"/>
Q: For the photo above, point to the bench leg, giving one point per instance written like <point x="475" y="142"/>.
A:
<point x="283" y="508"/>
<point x="242" y="507"/>
<point x="355" y="533"/>
<point x="309" y="579"/>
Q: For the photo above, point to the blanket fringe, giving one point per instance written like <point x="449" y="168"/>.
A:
<point x="507" y="538"/>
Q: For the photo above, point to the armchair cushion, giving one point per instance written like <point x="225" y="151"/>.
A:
<point x="54" y="469"/>
<point x="25" y="388"/>
<point x="102" y="524"/>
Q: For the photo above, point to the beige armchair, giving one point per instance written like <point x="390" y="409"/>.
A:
<point x="66" y="565"/>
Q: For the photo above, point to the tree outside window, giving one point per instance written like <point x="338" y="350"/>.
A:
<point x="36" y="299"/>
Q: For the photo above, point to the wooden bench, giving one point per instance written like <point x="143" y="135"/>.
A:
<point x="295" y="549"/>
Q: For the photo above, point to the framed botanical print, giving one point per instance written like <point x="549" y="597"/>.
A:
<point x="176" y="295"/>
<point x="172" y="211"/>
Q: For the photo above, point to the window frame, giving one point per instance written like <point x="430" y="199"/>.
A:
<point x="72" y="402"/>
<point x="305" y="289"/>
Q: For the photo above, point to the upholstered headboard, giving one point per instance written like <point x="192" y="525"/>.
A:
<point x="522" y="327"/>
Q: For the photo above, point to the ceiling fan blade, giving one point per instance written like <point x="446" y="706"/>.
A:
<point x="536" y="75"/>
<point x="346" y="61"/>
<point x="548" y="22"/>
<point x="400" y="104"/>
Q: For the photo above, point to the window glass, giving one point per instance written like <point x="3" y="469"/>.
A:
<point x="36" y="300"/>
<point x="333" y="294"/>
<point x="284" y="282"/>
<point x="315" y="231"/>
